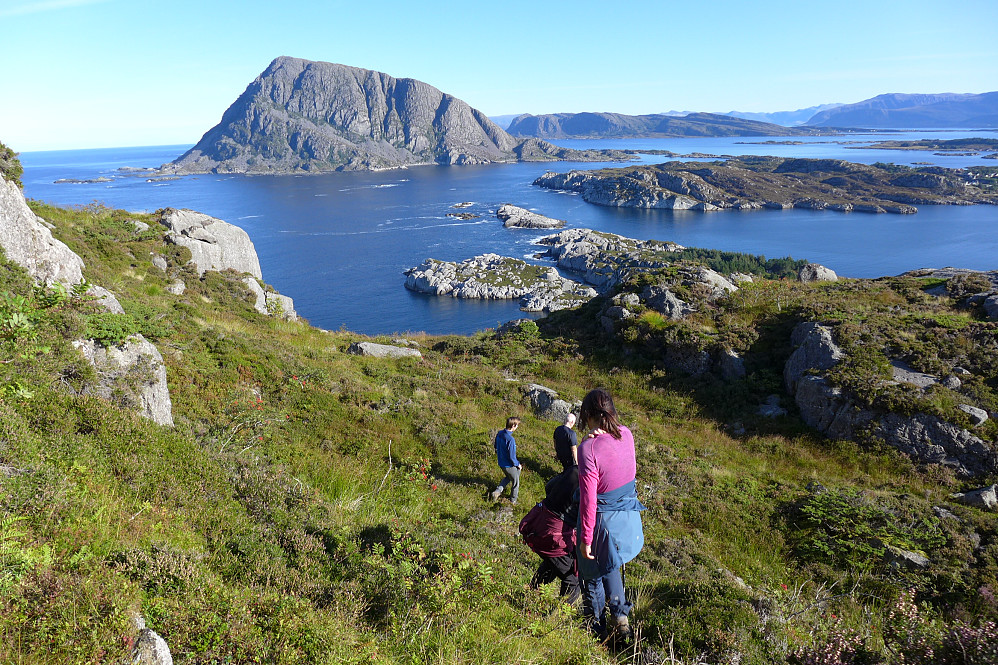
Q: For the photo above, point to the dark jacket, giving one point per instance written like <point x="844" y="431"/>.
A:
<point x="564" y="440"/>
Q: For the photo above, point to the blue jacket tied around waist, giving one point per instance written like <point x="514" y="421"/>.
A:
<point x="618" y="536"/>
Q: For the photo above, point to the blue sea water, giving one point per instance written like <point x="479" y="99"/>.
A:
<point x="338" y="243"/>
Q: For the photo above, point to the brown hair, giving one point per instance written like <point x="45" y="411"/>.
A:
<point x="512" y="422"/>
<point x="598" y="412"/>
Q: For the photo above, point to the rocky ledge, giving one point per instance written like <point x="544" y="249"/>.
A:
<point x="770" y="182"/>
<point x="520" y="218"/>
<point x="494" y="277"/>
<point x="834" y="412"/>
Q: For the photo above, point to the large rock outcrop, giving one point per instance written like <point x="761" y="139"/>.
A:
<point x="27" y="242"/>
<point x="923" y="437"/>
<point x="214" y="244"/>
<point x="300" y="115"/>
<point x="132" y="375"/>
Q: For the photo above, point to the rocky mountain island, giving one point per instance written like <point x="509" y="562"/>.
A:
<point x="772" y="182"/>
<point x="300" y="115"/>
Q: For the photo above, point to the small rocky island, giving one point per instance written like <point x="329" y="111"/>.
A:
<point x="749" y="183"/>
<point x="494" y="277"/>
<point x="514" y="217"/>
<point x="600" y="261"/>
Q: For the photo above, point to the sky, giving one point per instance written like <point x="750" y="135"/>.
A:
<point x="108" y="73"/>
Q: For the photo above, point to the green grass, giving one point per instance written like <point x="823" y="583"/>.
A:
<point x="312" y="506"/>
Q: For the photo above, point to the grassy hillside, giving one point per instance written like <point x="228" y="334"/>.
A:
<point x="312" y="506"/>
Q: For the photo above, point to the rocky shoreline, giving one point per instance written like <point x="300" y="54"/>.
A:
<point x="752" y="183"/>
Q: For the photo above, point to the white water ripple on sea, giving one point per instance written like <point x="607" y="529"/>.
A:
<point x="381" y="229"/>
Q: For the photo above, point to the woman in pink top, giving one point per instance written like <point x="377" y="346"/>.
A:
<point x="610" y="532"/>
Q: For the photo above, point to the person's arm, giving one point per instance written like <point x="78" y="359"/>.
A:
<point x="512" y="452"/>
<point x="588" y="477"/>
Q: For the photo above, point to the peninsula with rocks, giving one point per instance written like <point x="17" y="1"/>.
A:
<point x="304" y="116"/>
<point x="658" y="125"/>
<point x="749" y="183"/>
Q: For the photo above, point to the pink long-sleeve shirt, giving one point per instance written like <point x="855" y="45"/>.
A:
<point x="605" y="463"/>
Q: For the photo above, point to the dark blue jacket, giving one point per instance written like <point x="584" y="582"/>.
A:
<point x="506" y="449"/>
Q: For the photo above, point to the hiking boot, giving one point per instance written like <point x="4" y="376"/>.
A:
<point x="495" y="494"/>
<point x="623" y="629"/>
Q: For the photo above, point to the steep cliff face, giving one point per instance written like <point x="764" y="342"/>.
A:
<point x="320" y="116"/>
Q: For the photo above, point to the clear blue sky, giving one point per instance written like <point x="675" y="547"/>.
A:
<point x="104" y="73"/>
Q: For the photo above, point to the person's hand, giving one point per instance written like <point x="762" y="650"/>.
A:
<point x="587" y="551"/>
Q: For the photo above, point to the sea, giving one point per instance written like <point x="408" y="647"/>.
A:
<point x="339" y="243"/>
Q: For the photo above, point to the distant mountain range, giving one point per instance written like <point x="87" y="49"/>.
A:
<point x="618" y="125"/>
<point x="785" y="118"/>
<point x="889" y="111"/>
<point x="300" y="115"/>
<point x="900" y="111"/>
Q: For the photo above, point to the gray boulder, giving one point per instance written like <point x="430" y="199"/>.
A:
<point x="105" y="299"/>
<point x="815" y="350"/>
<point x="514" y="217"/>
<point x="546" y="402"/>
<point x="214" y="244"/>
<point x="176" y="287"/>
<point x="382" y="350"/>
<point x="159" y="261"/>
<point x="151" y="649"/>
<point x="902" y="373"/>
<point x="977" y="416"/>
<point x="990" y="307"/>
<point x="730" y="365"/>
<point x="895" y="557"/>
<point x="985" y="497"/>
<point x="132" y="375"/>
<point x="270" y="303"/>
<point x="30" y="244"/>
<point x="664" y="301"/>
<point x="815" y="272"/>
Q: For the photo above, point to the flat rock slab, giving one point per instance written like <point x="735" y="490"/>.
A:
<point x="382" y="350"/>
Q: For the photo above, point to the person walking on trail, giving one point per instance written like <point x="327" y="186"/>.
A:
<point x="506" y="456"/>
<point x="610" y="532"/>
<point x="549" y="530"/>
<point x="565" y="443"/>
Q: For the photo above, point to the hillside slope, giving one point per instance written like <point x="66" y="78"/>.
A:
<point x="314" y="506"/>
